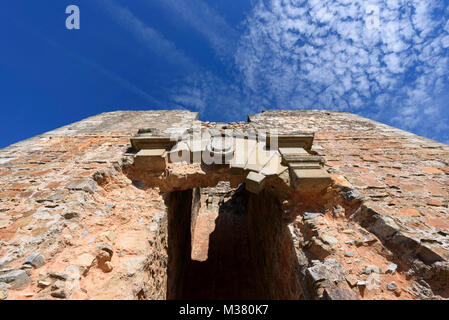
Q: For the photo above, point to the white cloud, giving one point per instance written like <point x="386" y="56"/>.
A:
<point x="316" y="54"/>
<point x="320" y="54"/>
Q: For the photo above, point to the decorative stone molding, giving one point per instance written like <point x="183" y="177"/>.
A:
<point x="253" y="154"/>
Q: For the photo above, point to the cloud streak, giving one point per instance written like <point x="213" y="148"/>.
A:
<point x="207" y="22"/>
<point x="147" y="36"/>
<point x="124" y="83"/>
<point x="200" y="89"/>
<point x="316" y="54"/>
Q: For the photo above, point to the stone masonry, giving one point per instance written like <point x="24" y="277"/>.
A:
<point x="109" y="208"/>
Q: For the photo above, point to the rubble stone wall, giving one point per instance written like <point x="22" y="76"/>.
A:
<point x="75" y="224"/>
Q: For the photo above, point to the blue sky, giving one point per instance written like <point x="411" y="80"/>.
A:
<point x="224" y="59"/>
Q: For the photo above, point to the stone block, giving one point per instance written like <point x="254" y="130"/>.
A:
<point x="310" y="179"/>
<point x="84" y="261"/>
<point x="243" y="149"/>
<point x="148" y="153"/>
<point x="259" y="158"/>
<point x="152" y="159"/>
<point x="152" y="142"/>
<point x="429" y="253"/>
<point x="3" y="291"/>
<point x="304" y="165"/>
<point x="35" y="259"/>
<point x="274" y="166"/>
<point x="255" y="182"/>
<point x="336" y="293"/>
<point x="286" y="151"/>
<point x="87" y="185"/>
<point x="220" y="150"/>
<point x="16" y="279"/>
<point x="302" y="158"/>
<point x="197" y="147"/>
<point x="5" y="220"/>
<point x="303" y="140"/>
<point x="330" y="269"/>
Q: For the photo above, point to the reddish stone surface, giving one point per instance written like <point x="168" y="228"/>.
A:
<point x="402" y="181"/>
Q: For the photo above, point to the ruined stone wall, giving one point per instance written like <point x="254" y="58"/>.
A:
<point x="63" y="195"/>
<point x="98" y="231"/>
<point x="401" y="182"/>
<point x="401" y="175"/>
<point x="272" y="249"/>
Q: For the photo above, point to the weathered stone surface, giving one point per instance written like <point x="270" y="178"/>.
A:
<point x="291" y="151"/>
<point x="291" y="159"/>
<point x="58" y="275"/>
<point x="106" y="247"/>
<point x="372" y="269"/>
<point x="27" y="268"/>
<point x="148" y="141"/>
<point x="243" y="149"/>
<point x="273" y="166"/>
<point x="3" y="291"/>
<point x="84" y="261"/>
<point x="330" y="270"/>
<point x="132" y="242"/>
<point x="311" y="215"/>
<point x="255" y="182"/>
<point x="291" y="139"/>
<point x="388" y="183"/>
<point x="180" y="152"/>
<point x="60" y="294"/>
<point x="17" y="279"/>
<point x="392" y="286"/>
<point x="4" y="221"/>
<point x="304" y="165"/>
<point x="71" y="214"/>
<point x="87" y="185"/>
<point x="35" y="259"/>
<point x="43" y="284"/>
<point x="339" y="294"/>
<point x="310" y="179"/>
<point x="391" y="268"/>
<point x="352" y="281"/>
<point x="361" y="283"/>
<point x="151" y="153"/>
<point x="104" y="261"/>
<point x="258" y="158"/>
<point x="152" y="159"/>
<point x="134" y="265"/>
<point x="58" y="285"/>
<point x="5" y="269"/>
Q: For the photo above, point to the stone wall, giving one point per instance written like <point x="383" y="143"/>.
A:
<point x="179" y="217"/>
<point x="272" y="249"/>
<point x="67" y="197"/>
<point x="400" y="179"/>
<point x="63" y="195"/>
